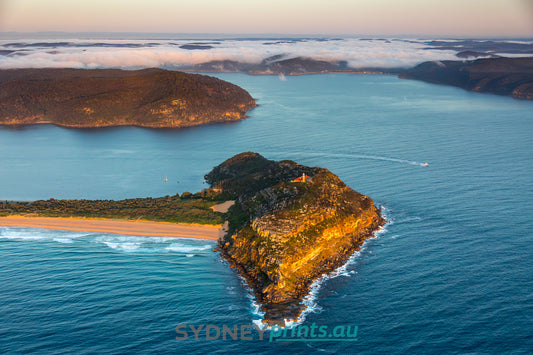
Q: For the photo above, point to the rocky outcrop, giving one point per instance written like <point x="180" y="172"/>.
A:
<point x="283" y="235"/>
<point x="111" y="97"/>
<point x="501" y="76"/>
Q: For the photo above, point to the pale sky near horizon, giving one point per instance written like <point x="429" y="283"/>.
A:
<point x="468" y="18"/>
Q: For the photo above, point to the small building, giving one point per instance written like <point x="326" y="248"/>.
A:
<point x="302" y="178"/>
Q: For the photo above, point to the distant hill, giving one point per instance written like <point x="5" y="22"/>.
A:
<point x="280" y="64"/>
<point x="502" y="76"/>
<point x="112" y="97"/>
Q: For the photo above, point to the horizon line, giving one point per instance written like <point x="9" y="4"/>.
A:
<point x="239" y="35"/>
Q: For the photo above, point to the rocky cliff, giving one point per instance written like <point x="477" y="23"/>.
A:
<point x="283" y="235"/>
<point x="112" y="97"/>
<point x="502" y="76"/>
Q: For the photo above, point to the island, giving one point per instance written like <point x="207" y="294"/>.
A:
<point x="285" y="225"/>
<point x="502" y="76"/>
<point x="86" y="98"/>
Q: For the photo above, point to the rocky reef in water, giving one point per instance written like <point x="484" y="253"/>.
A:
<point x="502" y="76"/>
<point x="84" y="98"/>
<point x="285" y="234"/>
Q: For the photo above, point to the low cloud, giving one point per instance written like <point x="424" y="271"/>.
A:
<point x="358" y="53"/>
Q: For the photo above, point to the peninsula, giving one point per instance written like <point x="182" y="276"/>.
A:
<point x="285" y="224"/>
<point x="84" y="98"/>
<point x="502" y="76"/>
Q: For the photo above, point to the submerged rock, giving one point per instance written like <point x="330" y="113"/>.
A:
<point x="284" y="234"/>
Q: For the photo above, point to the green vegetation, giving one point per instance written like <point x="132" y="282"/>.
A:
<point x="502" y="76"/>
<point x="283" y="234"/>
<point x="243" y="176"/>
<point x="110" y="97"/>
<point x="247" y="173"/>
<point x="186" y="209"/>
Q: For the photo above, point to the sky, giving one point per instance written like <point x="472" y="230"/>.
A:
<point x="465" y="18"/>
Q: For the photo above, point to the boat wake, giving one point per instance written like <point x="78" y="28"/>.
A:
<point x="119" y="243"/>
<point x="357" y="156"/>
<point x="375" y="157"/>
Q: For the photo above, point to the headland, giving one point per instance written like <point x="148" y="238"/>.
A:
<point x="502" y="76"/>
<point x="290" y="225"/>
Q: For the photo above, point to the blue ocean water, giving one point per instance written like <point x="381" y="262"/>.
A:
<point x="452" y="272"/>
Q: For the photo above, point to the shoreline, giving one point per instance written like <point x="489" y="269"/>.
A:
<point x="277" y="313"/>
<point x="116" y="226"/>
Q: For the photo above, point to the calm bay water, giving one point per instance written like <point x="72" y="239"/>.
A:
<point x="452" y="272"/>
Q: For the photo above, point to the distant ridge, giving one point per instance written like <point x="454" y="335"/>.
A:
<point x="502" y="76"/>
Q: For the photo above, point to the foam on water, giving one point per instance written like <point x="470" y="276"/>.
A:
<point x="121" y="243"/>
<point x="63" y="240"/>
<point x="159" y="245"/>
<point x="23" y="233"/>
<point x="310" y="301"/>
<point x="124" y="246"/>
<point x="182" y="248"/>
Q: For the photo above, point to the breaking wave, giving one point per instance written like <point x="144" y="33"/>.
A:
<point x="120" y="243"/>
<point x="310" y="301"/>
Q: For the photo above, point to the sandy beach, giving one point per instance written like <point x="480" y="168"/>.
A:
<point x="125" y="227"/>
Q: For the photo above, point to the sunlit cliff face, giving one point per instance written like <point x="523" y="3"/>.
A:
<point x="285" y="233"/>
